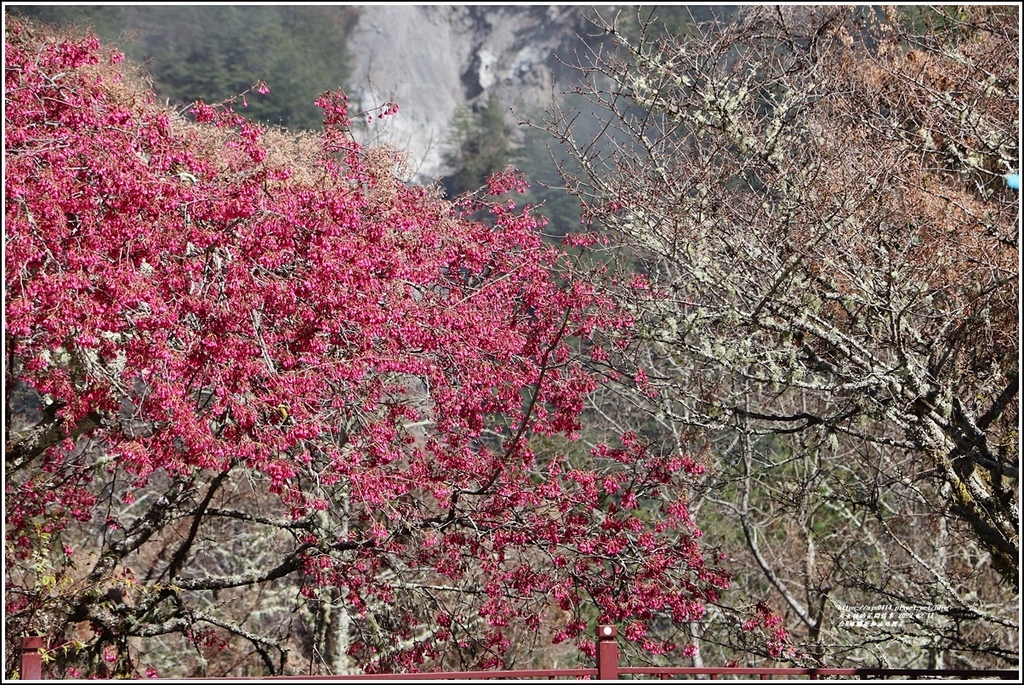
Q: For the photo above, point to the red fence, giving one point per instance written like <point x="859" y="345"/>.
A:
<point x="608" y="668"/>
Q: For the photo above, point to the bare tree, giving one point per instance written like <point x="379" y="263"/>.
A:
<point x="805" y="209"/>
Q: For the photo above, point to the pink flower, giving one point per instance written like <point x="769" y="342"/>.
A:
<point x="256" y="305"/>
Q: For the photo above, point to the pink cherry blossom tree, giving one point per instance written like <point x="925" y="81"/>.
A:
<point x="269" y="403"/>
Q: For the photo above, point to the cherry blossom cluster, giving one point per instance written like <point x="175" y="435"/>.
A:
<point x="189" y="312"/>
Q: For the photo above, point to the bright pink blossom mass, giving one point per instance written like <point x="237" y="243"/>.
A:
<point x="224" y="337"/>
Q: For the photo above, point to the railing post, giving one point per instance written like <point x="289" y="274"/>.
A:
<point x="31" y="659"/>
<point x="607" y="653"/>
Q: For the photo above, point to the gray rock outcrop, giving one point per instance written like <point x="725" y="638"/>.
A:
<point x="432" y="60"/>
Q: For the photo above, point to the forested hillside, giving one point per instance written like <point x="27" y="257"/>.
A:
<point x="214" y="52"/>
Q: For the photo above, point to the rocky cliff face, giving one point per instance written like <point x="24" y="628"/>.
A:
<point x="431" y="60"/>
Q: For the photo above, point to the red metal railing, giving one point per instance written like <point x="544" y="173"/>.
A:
<point x="608" y="668"/>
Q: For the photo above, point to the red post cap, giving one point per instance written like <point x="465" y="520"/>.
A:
<point x="32" y="642"/>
